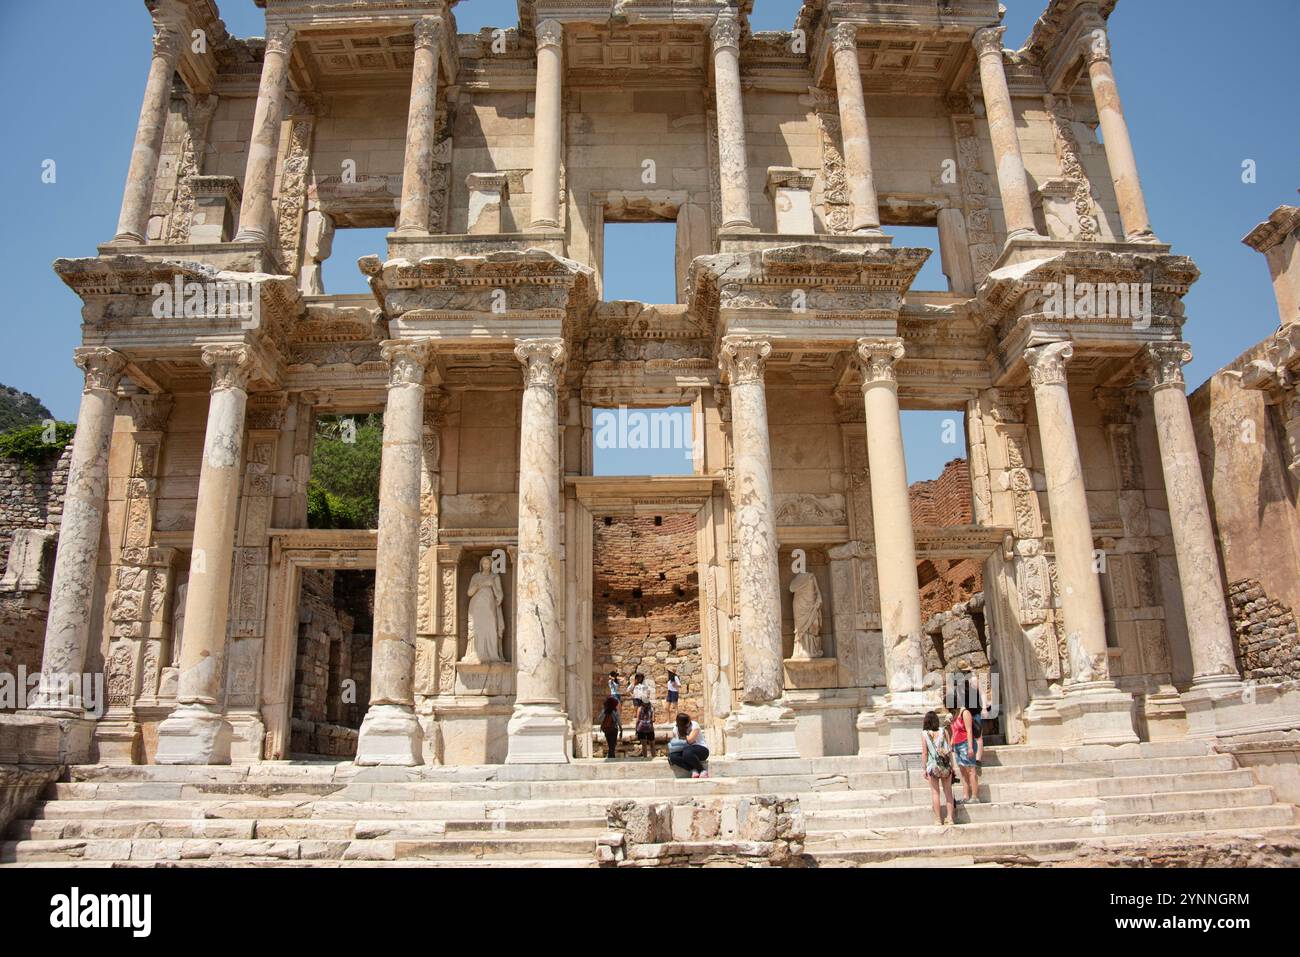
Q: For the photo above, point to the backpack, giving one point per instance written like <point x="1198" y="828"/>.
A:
<point x="608" y="724"/>
<point x="940" y="755"/>
<point x="645" y="721"/>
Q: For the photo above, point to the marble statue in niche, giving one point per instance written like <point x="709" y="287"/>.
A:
<point x="486" y="621"/>
<point x="807" y="616"/>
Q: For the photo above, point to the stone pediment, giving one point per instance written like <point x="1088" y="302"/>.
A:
<point x="504" y="295"/>
<point x="138" y="301"/>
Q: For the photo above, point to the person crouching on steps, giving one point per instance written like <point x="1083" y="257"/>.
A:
<point x="686" y="748"/>
<point x="610" y="727"/>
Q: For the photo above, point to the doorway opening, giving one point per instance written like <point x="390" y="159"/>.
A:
<point x="331" y="682"/>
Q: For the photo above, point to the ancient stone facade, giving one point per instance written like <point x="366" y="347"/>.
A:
<point x="796" y="340"/>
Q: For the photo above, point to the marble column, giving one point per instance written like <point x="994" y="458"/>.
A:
<point x="137" y="198"/>
<point x="390" y="732"/>
<point x="1115" y="139"/>
<point x="538" y="731"/>
<point x="548" y="126"/>
<point x="259" y="171"/>
<point x="1013" y="183"/>
<point x="1214" y="661"/>
<point x="853" y="130"/>
<point x="764" y="726"/>
<point x="1098" y="712"/>
<point x="72" y="591"/>
<point x="417" y="170"/>
<point x="733" y="159"/>
<point x="197" y="731"/>
<point x="891" y="513"/>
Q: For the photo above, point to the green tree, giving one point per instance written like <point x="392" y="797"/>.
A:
<point x="344" y="487"/>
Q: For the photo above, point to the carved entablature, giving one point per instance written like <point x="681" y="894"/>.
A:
<point x="1093" y="297"/>
<point x="501" y="296"/>
<point x="143" y="303"/>
<point x="804" y="292"/>
<point x="1058" y="42"/>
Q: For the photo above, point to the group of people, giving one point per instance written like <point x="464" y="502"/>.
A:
<point x="686" y="747"/>
<point x="955" y="741"/>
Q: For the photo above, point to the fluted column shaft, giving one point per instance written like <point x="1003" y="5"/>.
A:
<point x="733" y="160"/>
<point x="548" y="125"/>
<point x="137" y="198"/>
<point x="743" y="360"/>
<point x="259" y="171"/>
<point x="1013" y="183"/>
<point x="1210" y="635"/>
<point x="853" y="129"/>
<point x="1115" y="139"/>
<point x="1067" y="502"/>
<point x="891" y="512"/>
<point x="417" y="170"/>
<point x="72" y="591"/>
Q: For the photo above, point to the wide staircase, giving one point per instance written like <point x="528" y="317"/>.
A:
<point x="1037" y="805"/>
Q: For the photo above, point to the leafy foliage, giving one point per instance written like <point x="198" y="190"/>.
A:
<point x="344" y="487"/>
<point x="36" y="444"/>
<point x="20" y="408"/>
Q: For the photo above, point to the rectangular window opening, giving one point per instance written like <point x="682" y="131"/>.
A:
<point x="639" y="262"/>
<point x="642" y="441"/>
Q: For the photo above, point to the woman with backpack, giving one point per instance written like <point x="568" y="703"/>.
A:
<point x="611" y="727"/>
<point x="936" y="751"/>
<point x="645" y="727"/>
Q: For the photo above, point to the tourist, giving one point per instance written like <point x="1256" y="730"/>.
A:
<point x="645" y="728"/>
<point x="963" y="749"/>
<point x="611" y="727"/>
<point x="638" y="689"/>
<point x="674" y="687"/>
<point x="615" y="687"/>
<point x="975" y="704"/>
<point x="686" y="747"/>
<point x="936" y="750"/>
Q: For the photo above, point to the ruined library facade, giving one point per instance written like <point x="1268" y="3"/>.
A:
<point x="782" y="578"/>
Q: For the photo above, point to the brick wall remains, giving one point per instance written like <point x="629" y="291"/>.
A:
<point x="333" y="647"/>
<point x="942" y="501"/>
<point x="1265" y="629"/>
<point x="646" y="608"/>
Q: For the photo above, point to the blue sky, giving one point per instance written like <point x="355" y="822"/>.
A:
<point x="1203" y="92"/>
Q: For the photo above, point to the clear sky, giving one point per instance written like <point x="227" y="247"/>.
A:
<point x="1206" y="86"/>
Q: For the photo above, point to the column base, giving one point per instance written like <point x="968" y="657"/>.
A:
<point x="390" y="735"/>
<point x="118" y="740"/>
<point x="1096" y="712"/>
<point x="127" y="239"/>
<point x="194" y="734"/>
<point x="55" y="738"/>
<point x="1147" y="237"/>
<point x="537" y="734"/>
<point x="247" y="734"/>
<point x="761" y="731"/>
<point x="894" y="728"/>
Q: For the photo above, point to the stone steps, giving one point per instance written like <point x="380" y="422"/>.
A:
<point x="859" y="810"/>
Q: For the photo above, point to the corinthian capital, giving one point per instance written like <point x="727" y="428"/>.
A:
<point x="743" y="359"/>
<point x="878" y="359"/>
<point x="1094" y="45"/>
<point x="426" y="32"/>
<point x="844" y="37"/>
<point x="988" y="40"/>
<point x="726" y="31"/>
<point x="407" y="359"/>
<point x="232" y="365"/>
<point x="1164" y="362"/>
<point x="279" y="38"/>
<point x="1047" y="363"/>
<point x="543" y="361"/>
<point x="549" y="34"/>
<point x="167" y="42"/>
<point x="103" y="367"/>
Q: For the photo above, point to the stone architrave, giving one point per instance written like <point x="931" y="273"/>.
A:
<point x="1115" y="138"/>
<point x="417" y="169"/>
<point x="733" y="158"/>
<point x="67" y="630"/>
<point x="764" y="725"/>
<point x="140" y="175"/>
<point x="538" y="730"/>
<point x="390" y="732"/>
<point x="1094" y="710"/>
<point x="548" y="126"/>
<point x="853" y="130"/>
<point x="197" y="731"/>
<point x="259" y="171"/>
<point x="1013" y="183"/>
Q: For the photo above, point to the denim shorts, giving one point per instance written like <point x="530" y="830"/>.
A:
<point x="965" y="754"/>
